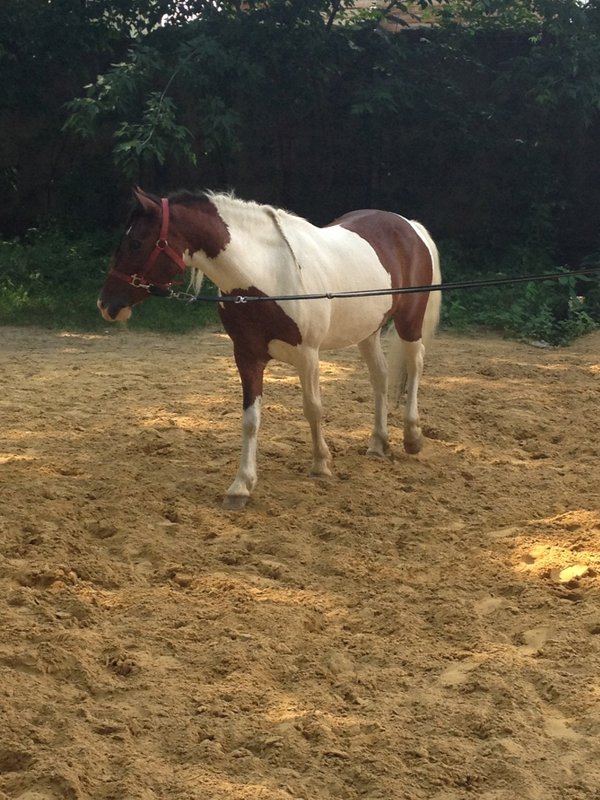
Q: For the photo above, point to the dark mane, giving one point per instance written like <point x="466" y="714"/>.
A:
<point x="185" y="197"/>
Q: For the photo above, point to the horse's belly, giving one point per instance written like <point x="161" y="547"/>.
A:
<point x="354" y="319"/>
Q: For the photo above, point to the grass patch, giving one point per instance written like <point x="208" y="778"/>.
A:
<point x="555" y="311"/>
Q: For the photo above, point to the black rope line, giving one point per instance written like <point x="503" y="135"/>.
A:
<point x="434" y="287"/>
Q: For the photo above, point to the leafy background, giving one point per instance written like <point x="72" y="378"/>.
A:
<point x="481" y="119"/>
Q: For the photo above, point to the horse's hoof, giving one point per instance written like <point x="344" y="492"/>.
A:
<point x="375" y="453"/>
<point x="415" y="446"/>
<point x="321" y="476"/>
<point x="235" y="502"/>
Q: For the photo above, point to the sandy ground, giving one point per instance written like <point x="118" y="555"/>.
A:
<point x="415" y="628"/>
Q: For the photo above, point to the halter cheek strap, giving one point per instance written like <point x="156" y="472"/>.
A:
<point x="140" y="279"/>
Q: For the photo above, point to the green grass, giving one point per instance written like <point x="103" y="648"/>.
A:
<point x="554" y="311"/>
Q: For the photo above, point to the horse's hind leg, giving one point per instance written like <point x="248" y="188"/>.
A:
<point x="308" y="369"/>
<point x="414" y="353"/>
<point x="372" y="353"/>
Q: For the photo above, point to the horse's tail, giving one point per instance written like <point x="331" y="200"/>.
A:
<point x="397" y="347"/>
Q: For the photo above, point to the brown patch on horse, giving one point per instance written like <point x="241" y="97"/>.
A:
<point x="195" y="223"/>
<point x="199" y="224"/>
<point x="251" y="326"/>
<point x="404" y="255"/>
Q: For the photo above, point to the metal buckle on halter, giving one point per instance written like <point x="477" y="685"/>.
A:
<point x="136" y="281"/>
<point x="161" y="244"/>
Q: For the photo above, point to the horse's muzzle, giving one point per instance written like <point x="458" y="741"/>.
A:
<point x="114" y="313"/>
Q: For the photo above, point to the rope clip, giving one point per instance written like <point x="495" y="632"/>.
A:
<point x="136" y="281"/>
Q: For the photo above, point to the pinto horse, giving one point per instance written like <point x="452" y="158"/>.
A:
<point x="248" y="249"/>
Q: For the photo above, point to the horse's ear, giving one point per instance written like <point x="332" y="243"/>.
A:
<point x="145" y="200"/>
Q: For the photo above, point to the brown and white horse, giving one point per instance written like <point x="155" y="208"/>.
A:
<point x="251" y="249"/>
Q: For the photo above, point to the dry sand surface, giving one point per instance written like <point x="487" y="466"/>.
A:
<point x="416" y="628"/>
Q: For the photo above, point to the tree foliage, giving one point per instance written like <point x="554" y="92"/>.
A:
<point x="479" y="116"/>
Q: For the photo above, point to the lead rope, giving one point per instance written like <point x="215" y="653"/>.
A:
<point x="434" y="287"/>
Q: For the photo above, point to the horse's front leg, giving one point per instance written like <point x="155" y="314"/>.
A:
<point x="251" y="373"/>
<point x="308" y="368"/>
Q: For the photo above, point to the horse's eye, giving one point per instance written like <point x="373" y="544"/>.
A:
<point x="134" y="244"/>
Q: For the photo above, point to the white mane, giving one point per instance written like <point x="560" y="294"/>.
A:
<point x="229" y="199"/>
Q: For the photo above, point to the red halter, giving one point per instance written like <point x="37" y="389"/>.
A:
<point x="140" y="279"/>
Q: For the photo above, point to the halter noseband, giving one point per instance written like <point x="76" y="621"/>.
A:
<point x="139" y="279"/>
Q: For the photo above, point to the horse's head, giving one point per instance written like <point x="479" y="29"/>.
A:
<point x="147" y="260"/>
